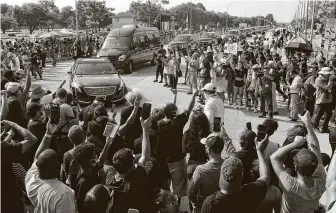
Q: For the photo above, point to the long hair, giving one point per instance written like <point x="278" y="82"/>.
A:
<point x="199" y="128"/>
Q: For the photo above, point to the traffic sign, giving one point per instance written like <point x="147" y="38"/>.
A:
<point x="330" y="29"/>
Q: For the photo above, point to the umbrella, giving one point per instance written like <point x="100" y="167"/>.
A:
<point x="299" y="44"/>
<point x="67" y="32"/>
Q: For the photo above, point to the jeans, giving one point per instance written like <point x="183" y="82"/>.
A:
<point x="309" y="105"/>
<point x="294" y="106"/>
<point x="173" y="81"/>
<point x="322" y="109"/>
<point x="266" y="97"/>
<point x="159" y="70"/>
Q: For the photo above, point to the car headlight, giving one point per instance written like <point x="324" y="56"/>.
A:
<point x="122" y="58"/>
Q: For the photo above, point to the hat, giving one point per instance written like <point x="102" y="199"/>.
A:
<point x="12" y="87"/>
<point x="209" y="87"/>
<point x="37" y="92"/>
<point x="101" y="98"/>
<point x="170" y="109"/>
<point x="256" y="66"/>
<point x="325" y="71"/>
<point x="76" y="133"/>
<point x="214" y="141"/>
<point x="231" y="172"/>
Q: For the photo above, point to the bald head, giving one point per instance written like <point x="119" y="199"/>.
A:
<point x="48" y="164"/>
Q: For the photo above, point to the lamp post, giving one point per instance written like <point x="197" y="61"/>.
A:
<point x="227" y="11"/>
<point x="76" y="8"/>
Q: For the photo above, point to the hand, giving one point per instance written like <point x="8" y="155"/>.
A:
<point x="262" y="144"/>
<point x="146" y="124"/>
<point x="11" y="133"/>
<point x="7" y="124"/>
<point x="51" y="128"/>
<point x="299" y="141"/>
<point x="306" y="118"/>
<point x="137" y="102"/>
<point x="149" y="165"/>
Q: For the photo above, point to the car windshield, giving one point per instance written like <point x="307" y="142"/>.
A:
<point x="182" y="38"/>
<point x="207" y="35"/>
<point x="117" y="43"/>
<point x="95" y="69"/>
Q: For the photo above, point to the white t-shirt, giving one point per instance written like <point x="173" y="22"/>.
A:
<point x="49" y="196"/>
<point x="297" y="197"/>
<point x="214" y="107"/>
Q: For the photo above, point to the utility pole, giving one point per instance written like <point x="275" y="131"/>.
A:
<point x="307" y="17"/>
<point x="191" y="14"/>
<point x="312" y="23"/>
<point x="76" y="9"/>
<point x="227" y="11"/>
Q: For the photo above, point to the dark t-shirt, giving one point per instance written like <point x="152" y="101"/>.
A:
<point x="131" y="192"/>
<point x="86" y="115"/>
<point x="10" y="191"/>
<point x="15" y="113"/>
<point x="196" y="150"/>
<point x="135" y="130"/>
<point x="84" y="184"/>
<point x="246" y="201"/>
<point x="170" y="135"/>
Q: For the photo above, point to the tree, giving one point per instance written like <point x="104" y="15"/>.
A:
<point x="200" y="6"/>
<point x="67" y="17"/>
<point x="145" y="12"/>
<point x="33" y="16"/>
<point x="18" y="15"/>
<point x="95" y="11"/>
<point x="6" y="22"/>
<point x="51" y="13"/>
<point x="6" y="9"/>
<point x="270" y="18"/>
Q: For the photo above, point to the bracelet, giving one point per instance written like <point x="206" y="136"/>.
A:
<point x="47" y="135"/>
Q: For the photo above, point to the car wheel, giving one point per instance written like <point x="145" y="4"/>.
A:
<point x="130" y="67"/>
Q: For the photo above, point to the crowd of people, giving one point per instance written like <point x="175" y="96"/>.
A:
<point x="57" y="157"/>
<point x="31" y="56"/>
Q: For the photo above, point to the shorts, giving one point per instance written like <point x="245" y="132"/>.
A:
<point x="239" y="83"/>
<point x="192" y="77"/>
<point x="179" y="178"/>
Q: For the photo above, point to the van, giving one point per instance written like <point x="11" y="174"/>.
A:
<point x="131" y="46"/>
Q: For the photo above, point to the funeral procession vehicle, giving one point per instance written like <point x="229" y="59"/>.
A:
<point x="127" y="47"/>
<point x="91" y="77"/>
<point x="181" y="42"/>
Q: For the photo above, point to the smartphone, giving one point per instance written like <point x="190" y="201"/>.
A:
<point x="113" y="107"/>
<point x="114" y="130"/>
<point x="54" y="114"/>
<point x="108" y="129"/>
<point x="249" y="125"/>
<point x="146" y="110"/>
<point x="133" y="211"/>
<point x="217" y="124"/>
<point x="262" y="131"/>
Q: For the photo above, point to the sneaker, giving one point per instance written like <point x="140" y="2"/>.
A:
<point x="160" y="81"/>
<point x="262" y="116"/>
<point x="255" y="111"/>
<point x="325" y="131"/>
<point x="236" y="107"/>
<point x="155" y="80"/>
<point x="165" y="85"/>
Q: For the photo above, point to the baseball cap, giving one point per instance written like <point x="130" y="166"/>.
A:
<point x="231" y="172"/>
<point x="12" y="87"/>
<point x="214" y="142"/>
<point x="209" y="87"/>
<point x="76" y="134"/>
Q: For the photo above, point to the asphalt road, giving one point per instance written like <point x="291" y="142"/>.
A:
<point x="142" y="78"/>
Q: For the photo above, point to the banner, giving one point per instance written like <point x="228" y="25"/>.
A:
<point x="231" y="48"/>
<point x="330" y="29"/>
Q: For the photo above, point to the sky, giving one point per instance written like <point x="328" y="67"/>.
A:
<point x="283" y="11"/>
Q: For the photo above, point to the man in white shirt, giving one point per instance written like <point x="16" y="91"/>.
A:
<point x="45" y="191"/>
<point x="214" y="105"/>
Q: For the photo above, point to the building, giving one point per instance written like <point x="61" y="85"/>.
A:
<point x="124" y="18"/>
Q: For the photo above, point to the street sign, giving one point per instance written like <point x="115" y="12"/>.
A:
<point x="330" y="29"/>
<point x="231" y="48"/>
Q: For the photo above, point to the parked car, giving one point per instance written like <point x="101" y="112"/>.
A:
<point x="91" y="77"/>
<point x="131" y="46"/>
<point x="182" y="42"/>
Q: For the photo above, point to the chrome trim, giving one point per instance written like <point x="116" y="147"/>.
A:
<point x="95" y="91"/>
